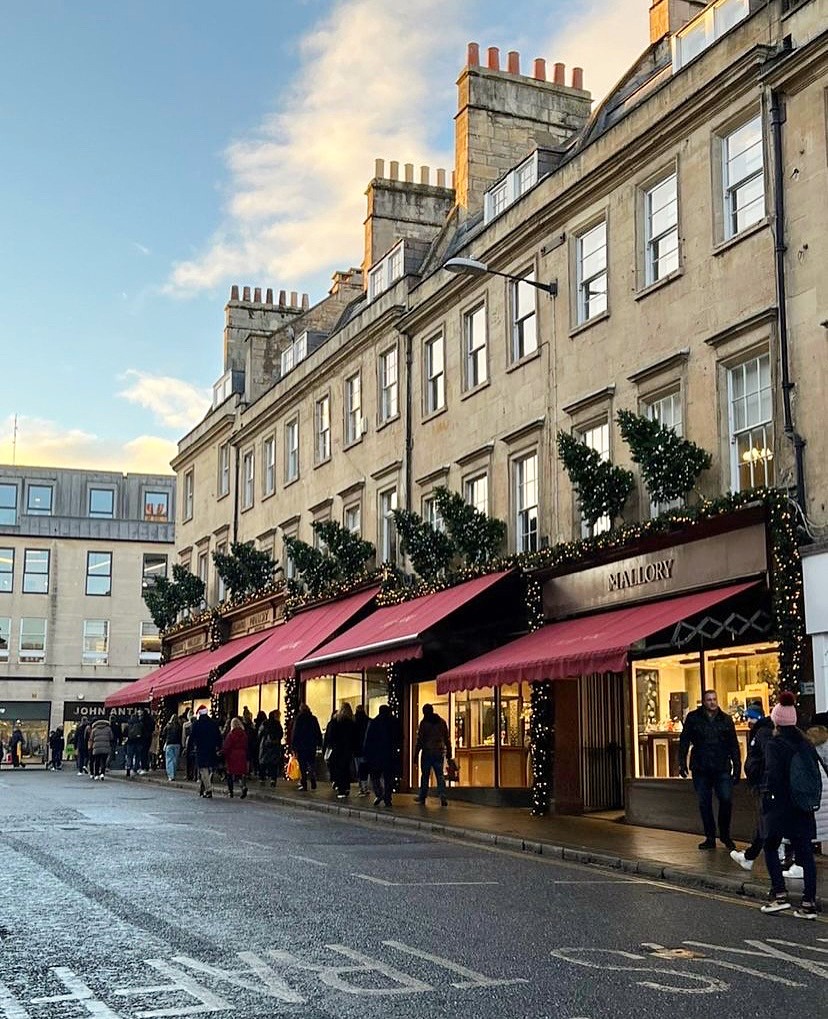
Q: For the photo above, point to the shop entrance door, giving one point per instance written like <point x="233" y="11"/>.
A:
<point x="602" y="741"/>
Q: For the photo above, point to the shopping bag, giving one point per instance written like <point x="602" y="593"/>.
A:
<point x="292" y="772"/>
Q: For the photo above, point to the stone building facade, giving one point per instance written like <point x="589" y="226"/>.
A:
<point x="77" y="549"/>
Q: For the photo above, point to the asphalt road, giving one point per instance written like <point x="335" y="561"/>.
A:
<point x="125" y="901"/>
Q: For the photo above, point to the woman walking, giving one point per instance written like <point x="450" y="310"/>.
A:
<point x="271" y="760"/>
<point x="100" y="747"/>
<point x="343" y="748"/>
<point x="234" y="749"/>
<point x="172" y="745"/>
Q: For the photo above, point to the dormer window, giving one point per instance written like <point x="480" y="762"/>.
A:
<point x="386" y="272"/>
<point x="516" y="183"/>
<point x="706" y="28"/>
<point x="299" y="350"/>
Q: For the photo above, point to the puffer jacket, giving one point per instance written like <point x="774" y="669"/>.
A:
<point x="818" y="735"/>
<point x="100" y="737"/>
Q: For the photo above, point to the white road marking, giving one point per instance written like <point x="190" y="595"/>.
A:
<point x="78" y="991"/>
<point x="333" y="976"/>
<point x="10" y="1007"/>
<point x="180" y="982"/>
<point x="259" y="977"/>
<point x="307" y="859"/>
<point x="473" y="978"/>
<point x="420" y="884"/>
<point x="764" y="950"/>
<point x="710" y="985"/>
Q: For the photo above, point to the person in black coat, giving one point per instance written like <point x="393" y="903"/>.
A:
<point x="16" y="745"/>
<point x="361" y="720"/>
<point x="380" y="753"/>
<point x="57" y="745"/>
<point x="306" y="738"/>
<point x="341" y="736"/>
<point x="782" y="817"/>
<point x="761" y="730"/>
<point x="206" y="738"/>
<point x="716" y="764"/>
<point x="271" y="751"/>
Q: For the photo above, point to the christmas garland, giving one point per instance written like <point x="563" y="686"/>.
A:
<point x="670" y="465"/>
<point x="601" y="487"/>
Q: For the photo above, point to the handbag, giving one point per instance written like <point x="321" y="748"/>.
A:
<point x="452" y="770"/>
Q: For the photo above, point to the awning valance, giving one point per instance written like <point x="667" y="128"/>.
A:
<point x="275" y="659"/>
<point x="392" y="633"/>
<point x="576" y="647"/>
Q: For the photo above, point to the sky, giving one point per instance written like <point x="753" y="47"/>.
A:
<point x="155" y="152"/>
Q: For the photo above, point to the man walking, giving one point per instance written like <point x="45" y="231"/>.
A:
<point x="380" y="754"/>
<point x="716" y="763"/>
<point x="172" y="745"/>
<point x="135" y="733"/>
<point x="206" y="737"/>
<point x="305" y="739"/>
<point x="81" y="748"/>
<point x="434" y="746"/>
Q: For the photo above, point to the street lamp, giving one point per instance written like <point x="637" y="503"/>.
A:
<point x="471" y="267"/>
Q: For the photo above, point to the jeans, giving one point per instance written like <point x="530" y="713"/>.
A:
<point x="706" y="783"/>
<point x="382" y="780"/>
<point x="804" y="851"/>
<point x="132" y="761"/>
<point x="428" y="763"/>
<point x="307" y="771"/>
<point x="171" y="752"/>
<point x="205" y="781"/>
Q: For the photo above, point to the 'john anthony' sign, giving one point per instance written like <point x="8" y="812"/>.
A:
<point x="636" y="576"/>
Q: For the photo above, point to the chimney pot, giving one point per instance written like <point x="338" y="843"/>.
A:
<point x="394" y="170"/>
<point x="246" y="294"/>
<point x="269" y="296"/>
<point x="379" y="168"/>
<point x="305" y="302"/>
<point x="578" y="77"/>
<point x="281" y="299"/>
<point x="425" y="175"/>
<point x="409" y="173"/>
<point x="472" y="55"/>
<point x="294" y="299"/>
<point x="539" y="72"/>
<point x="559" y="74"/>
<point x="441" y="178"/>
<point x="513" y="62"/>
<point x="234" y="292"/>
<point x="493" y="58"/>
<point x="257" y="295"/>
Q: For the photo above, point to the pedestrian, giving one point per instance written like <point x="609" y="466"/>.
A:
<point x="206" y="739"/>
<point x="252" y="741"/>
<point x="818" y="736"/>
<point x="790" y="795"/>
<point x="187" y="745"/>
<point x="361" y="720"/>
<point x="16" y="746"/>
<point x="172" y="745"/>
<point x="57" y="745"/>
<point x="434" y="746"/>
<point x="261" y="718"/>
<point x="147" y="729"/>
<point x="716" y="764"/>
<point x="380" y="754"/>
<point x="327" y="744"/>
<point x="271" y="752"/>
<point x="342" y="743"/>
<point x="100" y="747"/>
<point x="134" y="735"/>
<point x="306" y="738"/>
<point x="234" y="749"/>
<point x="81" y="748"/>
<point x="760" y="731"/>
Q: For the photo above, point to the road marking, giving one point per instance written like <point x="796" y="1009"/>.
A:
<point x="420" y="884"/>
<point x="473" y="978"/>
<point x="307" y="859"/>
<point x="334" y="976"/>
<point x="596" y="881"/>
<point x="181" y="982"/>
<point x="660" y="952"/>
<point x="78" y="991"/>
<point x="710" y="985"/>
<point x="765" y="950"/>
<point x="10" y="1007"/>
<point x="265" y="980"/>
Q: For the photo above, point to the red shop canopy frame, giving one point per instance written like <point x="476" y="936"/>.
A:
<point x="196" y="669"/>
<point x="140" y="690"/>
<point x="578" y="647"/>
<point x="393" y="633"/>
<point x="276" y="658"/>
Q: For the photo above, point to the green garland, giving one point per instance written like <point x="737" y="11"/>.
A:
<point x="670" y="465"/>
<point x="245" y="569"/>
<point x="430" y="550"/>
<point x="601" y="487"/>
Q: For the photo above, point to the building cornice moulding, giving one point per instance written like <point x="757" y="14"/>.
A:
<point x="602" y="395"/>
<point x="657" y="367"/>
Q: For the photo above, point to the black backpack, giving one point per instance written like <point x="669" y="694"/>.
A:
<point x="135" y="731"/>
<point x="805" y="779"/>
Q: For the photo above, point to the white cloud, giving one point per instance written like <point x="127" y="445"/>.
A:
<point x="43" y="443"/>
<point x="176" y="404"/>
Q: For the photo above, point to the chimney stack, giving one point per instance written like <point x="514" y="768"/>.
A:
<point x="668" y="16"/>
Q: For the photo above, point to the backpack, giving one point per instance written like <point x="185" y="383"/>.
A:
<point x="135" y="731"/>
<point x="805" y="779"/>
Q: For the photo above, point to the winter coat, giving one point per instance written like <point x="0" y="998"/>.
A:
<point x="270" y="745"/>
<point x="381" y="742"/>
<point x="714" y="741"/>
<point x="16" y="745"/>
<point x="172" y="733"/>
<point x="755" y="758"/>
<point x="341" y="736"/>
<point x="306" y="735"/>
<point x="57" y="743"/>
<point x="361" y="721"/>
<point x="433" y="736"/>
<point x="818" y="736"/>
<point x="234" y="749"/>
<point x="780" y="814"/>
<point x="100" y="737"/>
<point x="206" y="738"/>
<point x="81" y="738"/>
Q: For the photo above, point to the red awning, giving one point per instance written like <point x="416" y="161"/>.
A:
<point x="139" y="691"/>
<point x="276" y="658"/>
<point x="578" y="647"/>
<point x="195" y="669"/>
<point x="393" y="633"/>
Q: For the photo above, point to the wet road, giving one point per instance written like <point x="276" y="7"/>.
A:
<point x="130" y="901"/>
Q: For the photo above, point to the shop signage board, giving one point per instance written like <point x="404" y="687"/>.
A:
<point x="77" y="711"/>
<point x="705" y="562"/>
<point x="255" y="621"/>
<point x="26" y="711"/>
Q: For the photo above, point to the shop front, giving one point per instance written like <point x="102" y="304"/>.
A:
<point x="32" y="718"/>
<point x="75" y="712"/>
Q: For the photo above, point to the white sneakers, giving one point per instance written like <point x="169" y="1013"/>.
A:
<point x="738" y="856"/>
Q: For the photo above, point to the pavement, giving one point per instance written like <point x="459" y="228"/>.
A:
<point x="596" y="840"/>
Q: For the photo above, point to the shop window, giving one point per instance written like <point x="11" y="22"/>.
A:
<point x="376" y="691"/>
<point x="99" y="573"/>
<point x="319" y="698"/>
<point x="348" y="690"/>
<point x="270" y="698"/>
<point x="513" y="744"/>
<point x="36" y="571"/>
<point x="6" y="569"/>
<point x="249" y="698"/>
<point x="149" y="650"/>
<point x="5" y="638"/>
<point x="666" y="688"/>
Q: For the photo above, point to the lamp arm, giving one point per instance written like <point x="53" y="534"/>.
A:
<point x="547" y="288"/>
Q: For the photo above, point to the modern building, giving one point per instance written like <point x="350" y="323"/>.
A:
<point x="677" y="232"/>
<point x="77" y="550"/>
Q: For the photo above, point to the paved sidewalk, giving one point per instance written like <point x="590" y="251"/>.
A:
<point x="650" y="852"/>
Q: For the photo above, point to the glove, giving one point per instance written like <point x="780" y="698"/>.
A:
<point x="682" y="771"/>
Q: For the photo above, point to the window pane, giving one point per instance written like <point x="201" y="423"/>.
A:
<point x="8" y="504"/>
<point x="35" y="571"/>
<point x="5" y="637"/>
<point x="101" y="503"/>
<point x="99" y="573"/>
<point x="32" y="638"/>
<point x="39" y="500"/>
<point x="150" y="644"/>
<point x="157" y="505"/>
<point x="155" y="566"/>
<point x="6" y="569"/>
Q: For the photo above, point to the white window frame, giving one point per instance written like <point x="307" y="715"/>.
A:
<point x="388" y="545"/>
<point x="290" y="566"/>
<point x="353" y="408"/>
<point x="659" y="263"/>
<point x="596" y="436"/>
<point x="388" y="368"/>
<point x="88" y="655"/>
<point x="248" y="479"/>
<point x="526" y="491"/>
<point x="507" y="191"/>
<point x="147" y="630"/>
<point x="223" y="469"/>
<point x="585" y="281"/>
<point x="518" y="290"/>
<point x="472" y="495"/>
<point x="292" y="449"/>
<point x="322" y="419"/>
<point x="706" y="28"/>
<point x="352" y="518"/>
<point x="385" y="273"/>
<point x="667" y="410"/>
<point x="475" y="347"/>
<point x="760" y="466"/>
<point x="269" y="465"/>
<point x="221" y="590"/>
<point x="434" y="372"/>
<point x="431" y="513"/>
<point x="189" y="493"/>
<point x="733" y="188"/>
<point x="5" y="635"/>
<point x="28" y="572"/>
<point x="32" y="654"/>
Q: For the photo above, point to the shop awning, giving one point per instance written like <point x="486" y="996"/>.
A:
<point x="576" y="647"/>
<point x="195" y="669"/>
<point x="276" y="658"/>
<point x="140" y="690"/>
<point x="393" y="633"/>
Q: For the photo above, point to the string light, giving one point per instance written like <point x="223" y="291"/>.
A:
<point x="601" y="487"/>
<point x="669" y="463"/>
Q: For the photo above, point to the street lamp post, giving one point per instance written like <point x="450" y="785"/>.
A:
<point x="471" y="267"/>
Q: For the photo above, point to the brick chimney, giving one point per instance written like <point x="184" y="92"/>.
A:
<point x="503" y="115"/>
<point x="668" y="16"/>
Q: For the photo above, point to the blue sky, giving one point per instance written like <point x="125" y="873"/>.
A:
<point x="154" y="153"/>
